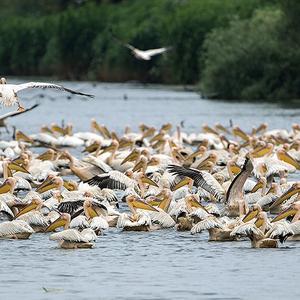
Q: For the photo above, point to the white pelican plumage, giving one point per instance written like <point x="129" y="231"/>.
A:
<point x="6" y="213"/>
<point x="9" y="97"/>
<point x="294" y="212"/>
<point x="138" y="220"/>
<point x="146" y="54"/>
<point x="16" y="229"/>
<point x="73" y="239"/>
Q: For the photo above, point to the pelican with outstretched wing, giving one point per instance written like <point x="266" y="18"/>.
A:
<point x="146" y="54"/>
<point x="143" y="54"/>
<point x="13" y="114"/>
<point x="9" y="92"/>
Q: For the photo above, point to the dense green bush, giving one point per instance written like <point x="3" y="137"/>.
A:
<point x="252" y="59"/>
<point x="245" y="60"/>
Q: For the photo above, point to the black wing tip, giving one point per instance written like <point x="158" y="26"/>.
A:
<point x="77" y="92"/>
<point x="83" y="94"/>
<point x="177" y="169"/>
<point x="172" y="166"/>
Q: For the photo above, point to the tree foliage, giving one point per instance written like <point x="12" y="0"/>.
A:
<point x="255" y="58"/>
<point x="72" y="39"/>
<point x="235" y="49"/>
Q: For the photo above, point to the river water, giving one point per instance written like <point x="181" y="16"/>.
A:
<point x="157" y="265"/>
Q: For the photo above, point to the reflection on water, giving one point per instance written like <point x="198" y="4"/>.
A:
<point x="158" y="265"/>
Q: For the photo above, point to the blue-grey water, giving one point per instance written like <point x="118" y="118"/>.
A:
<point x="157" y="265"/>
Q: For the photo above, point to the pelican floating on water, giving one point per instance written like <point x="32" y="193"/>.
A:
<point x="221" y="180"/>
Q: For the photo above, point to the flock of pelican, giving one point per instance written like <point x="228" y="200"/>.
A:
<point x="223" y="180"/>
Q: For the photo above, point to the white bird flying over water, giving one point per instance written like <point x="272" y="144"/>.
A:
<point x="146" y="54"/>
<point x="9" y="97"/>
<point x="143" y="54"/>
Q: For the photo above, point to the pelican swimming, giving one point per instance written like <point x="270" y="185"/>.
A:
<point x="16" y="229"/>
<point x="138" y="220"/>
<point x="228" y="184"/>
<point x="73" y="239"/>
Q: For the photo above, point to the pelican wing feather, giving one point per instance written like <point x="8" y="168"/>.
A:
<point x="43" y="85"/>
<point x="201" y="179"/>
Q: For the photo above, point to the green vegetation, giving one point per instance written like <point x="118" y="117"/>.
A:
<point x="256" y="58"/>
<point x="236" y="49"/>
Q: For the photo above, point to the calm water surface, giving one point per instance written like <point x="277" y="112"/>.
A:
<point x="158" y="265"/>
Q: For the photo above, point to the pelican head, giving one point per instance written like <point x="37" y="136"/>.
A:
<point x="8" y="185"/>
<point x="143" y="127"/>
<point x="44" y="128"/>
<point x="210" y="159"/>
<point x="112" y="147"/>
<point x="18" y="168"/>
<point x="149" y="132"/>
<point x="262" y="127"/>
<point x="55" y="128"/>
<point x="193" y="201"/>
<point x="70" y="185"/>
<point x="259" y="185"/>
<point x="145" y="152"/>
<point x="53" y="182"/>
<point x="166" y="127"/>
<point x="89" y="210"/>
<point x="62" y="221"/>
<point x="296" y="127"/>
<point x="34" y="204"/>
<point x="22" y="137"/>
<point x="94" y="146"/>
<point x="284" y="156"/>
<point x="289" y="212"/>
<point x="92" y="209"/>
<point x="3" y="80"/>
<point x="253" y="212"/>
<point x="125" y="143"/>
<point x="94" y="125"/>
<point x="295" y="188"/>
<point x="237" y="131"/>
<point x="261" y="220"/>
<point x="133" y="156"/>
<point x="262" y="150"/>
<point x="47" y="155"/>
<point x="133" y="203"/>
<point x="208" y="129"/>
<point x="158" y="137"/>
<point x="141" y="164"/>
<point x="146" y="180"/>
<point x="186" y="181"/>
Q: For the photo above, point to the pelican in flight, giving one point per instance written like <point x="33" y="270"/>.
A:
<point x="13" y="114"/>
<point x="9" y="92"/>
<point x="146" y="54"/>
<point x="143" y="54"/>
